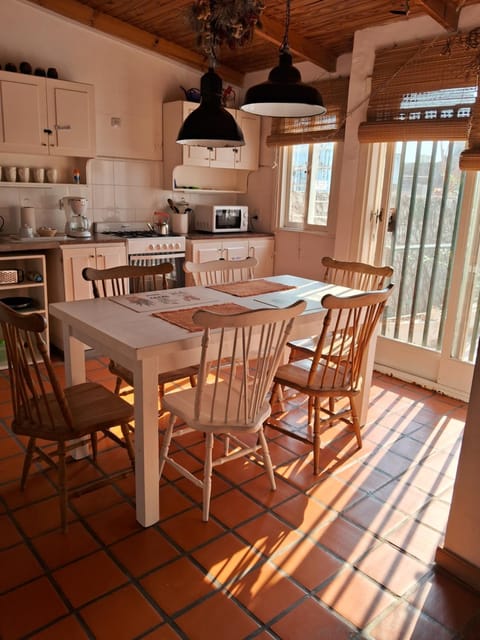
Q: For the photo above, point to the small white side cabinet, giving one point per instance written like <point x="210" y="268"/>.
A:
<point x="46" y="116"/>
<point x="31" y="272"/>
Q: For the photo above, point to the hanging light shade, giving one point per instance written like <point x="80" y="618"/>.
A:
<point x="210" y="124"/>
<point x="284" y="94"/>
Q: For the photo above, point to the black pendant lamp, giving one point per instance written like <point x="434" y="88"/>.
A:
<point x="210" y="124"/>
<point x="284" y="94"/>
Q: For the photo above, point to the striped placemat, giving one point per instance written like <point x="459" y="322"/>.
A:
<point x="183" y="317"/>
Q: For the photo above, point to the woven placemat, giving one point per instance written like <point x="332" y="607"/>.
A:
<point x="183" y="317"/>
<point x="246" y="288"/>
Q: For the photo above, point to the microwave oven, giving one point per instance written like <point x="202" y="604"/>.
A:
<point x="221" y="218"/>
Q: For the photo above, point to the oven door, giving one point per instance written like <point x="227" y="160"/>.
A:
<point x="176" y="278"/>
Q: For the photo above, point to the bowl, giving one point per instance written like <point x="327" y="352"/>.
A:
<point x="46" y="232"/>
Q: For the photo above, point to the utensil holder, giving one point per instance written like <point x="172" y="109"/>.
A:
<point x="179" y="223"/>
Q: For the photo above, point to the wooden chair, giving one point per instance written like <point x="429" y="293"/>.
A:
<point x="125" y="279"/>
<point x="356" y="275"/>
<point x="335" y="370"/>
<point x="221" y="271"/>
<point x="118" y="281"/>
<point x="43" y="410"/>
<point x="240" y="354"/>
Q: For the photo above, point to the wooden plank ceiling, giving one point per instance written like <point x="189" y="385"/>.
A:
<point x="320" y="30"/>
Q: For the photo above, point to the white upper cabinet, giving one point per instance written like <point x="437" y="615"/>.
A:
<point x="46" y="116"/>
<point x="227" y="162"/>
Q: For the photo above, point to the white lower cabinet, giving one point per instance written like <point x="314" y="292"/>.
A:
<point x="29" y="271"/>
<point x="65" y="266"/>
<point x="261" y="248"/>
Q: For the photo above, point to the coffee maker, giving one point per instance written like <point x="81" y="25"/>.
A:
<point x="77" y="224"/>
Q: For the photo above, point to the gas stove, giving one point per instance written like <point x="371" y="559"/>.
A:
<point x="141" y="238"/>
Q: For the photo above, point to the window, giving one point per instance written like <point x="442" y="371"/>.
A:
<point x="307" y="185"/>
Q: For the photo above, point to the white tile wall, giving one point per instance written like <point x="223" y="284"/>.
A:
<point x="117" y="190"/>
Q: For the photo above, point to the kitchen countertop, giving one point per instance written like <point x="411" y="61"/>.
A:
<point x="8" y="244"/>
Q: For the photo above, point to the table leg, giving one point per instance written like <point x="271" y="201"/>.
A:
<point x="145" y="376"/>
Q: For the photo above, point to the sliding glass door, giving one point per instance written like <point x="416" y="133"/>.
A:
<point x="428" y="230"/>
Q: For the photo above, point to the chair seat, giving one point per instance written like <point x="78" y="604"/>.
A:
<point x="182" y="404"/>
<point x="163" y="378"/>
<point x="110" y="410"/>
<point x="325" y="380"/>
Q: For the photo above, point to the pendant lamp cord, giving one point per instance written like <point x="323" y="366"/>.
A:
<point x="284" y="45"/>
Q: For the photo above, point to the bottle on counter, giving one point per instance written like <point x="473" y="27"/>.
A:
<point x="76" y="176"/>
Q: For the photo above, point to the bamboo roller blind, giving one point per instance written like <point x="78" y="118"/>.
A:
<point x="423" y="91"/>
<point x="325" y="128"/>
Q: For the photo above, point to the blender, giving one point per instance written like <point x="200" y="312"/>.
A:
<point x="77" y="225"/>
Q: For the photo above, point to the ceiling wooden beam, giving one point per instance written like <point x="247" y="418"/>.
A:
<point x="444" y="12"/>
<point x="119" y="29"/>
<point x="273" y="31"/>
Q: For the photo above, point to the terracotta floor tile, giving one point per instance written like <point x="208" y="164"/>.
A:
<point x="355" y="597"/>
<point x="114" y="523"/>
<point x="188" y="530"/>
<point x="11" y="468"/>
<point x="265" y="592"/>
<point x="44" y="607"/>
<point x="19" y="565"/>
<point x="411" y="448"/>
<point x="39" y="489"/>
<point x="307" y="564"/>
<point x="177" y="585"/>
<point x="407" y="623"/>
<point x="392" y="568"/>
<point x="446" y="601"/>
<point x="143" y="551"/>
<point x="435" y="514"/>
<point x="417" y="539"/>
<point x="88" y="578"/>
<point x="304" y="514"/>
<point x="362" y="476"/>
<point x="260" y="489"/>
<point x="172" y="501"/>
<point x="377" y="517"/>
<point x="216" y="617"/>
<point x="41" y="517"/>
<point x="402" y="496"/>
<point x="427" y="480"/>
<point x="310" y="619"/>
<point x="164" y="632"/>
<point x="388" y="462"/>
<point x="97" y="500"/>
<point x="268" y="534"/>
<point x="336" y="494"/>
<point x="123" y="615"/>
<point x="57" y="549"/>
<point x="300" y="471"/>
<point x="345" y="539"/>
<point x="241" y="470"/>
<point x="245" y="508"/>
<point x="69" y="628"/>
<point x="9" y="534"/>
<point x="226" y="558"/>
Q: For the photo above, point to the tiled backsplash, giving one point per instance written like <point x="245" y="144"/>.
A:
<point x="117" y="190"/>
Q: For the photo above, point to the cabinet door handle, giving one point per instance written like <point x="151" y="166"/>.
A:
<point x="48" y="131"/>
<point x="62" y="127"/>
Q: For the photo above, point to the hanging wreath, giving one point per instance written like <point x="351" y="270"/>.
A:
<point x="225" y="22"/>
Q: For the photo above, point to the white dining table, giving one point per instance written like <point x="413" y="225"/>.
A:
<point x="129" y="334"/>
